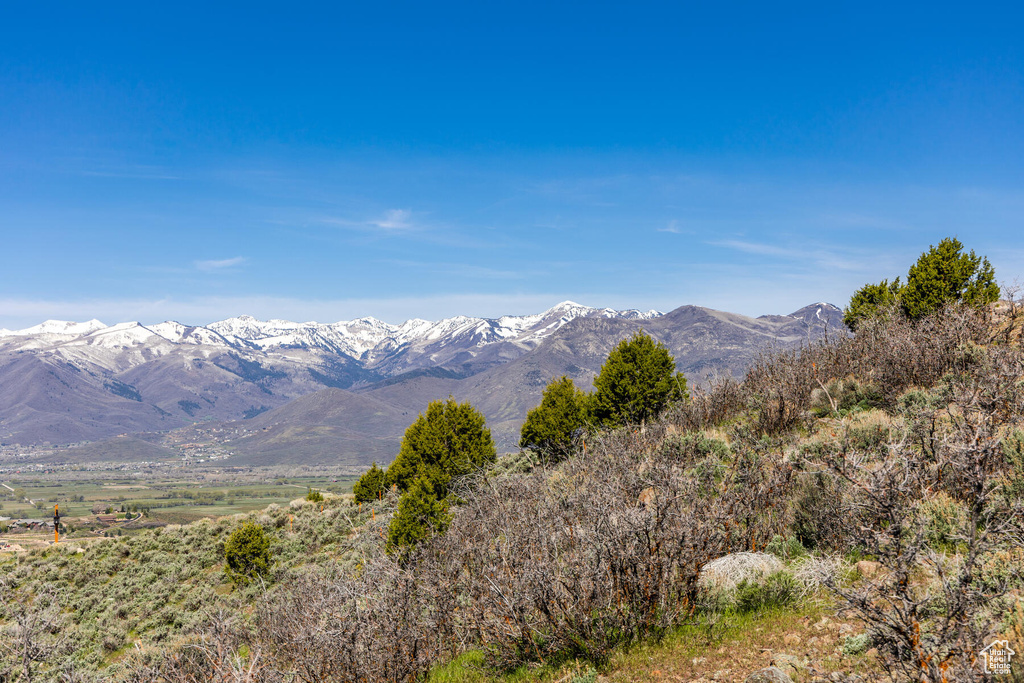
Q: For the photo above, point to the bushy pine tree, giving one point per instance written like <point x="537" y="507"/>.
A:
<point x="449" y="438"/>
<point x="871" y="300"/>
<point x="370" y="486"/>
<point x="942" y="275"/>
<point x="636" y="382"/>
<point x="449" y="441"/>
<point x="247" y="553"/>
<point x="423" y="511"/>
<point x="552" y="427"/>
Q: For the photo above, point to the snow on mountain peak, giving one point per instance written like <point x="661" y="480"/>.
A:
<point x="121" y="335"/>
<point x="568" y="308"/>
<point x="364" y="337"/>
<point x="168" y="327"/>
<point x="366" y="320"/>
<point x="62" y="327"/>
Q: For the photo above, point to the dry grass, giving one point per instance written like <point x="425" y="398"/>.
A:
<point x="1014" y="632"/>
<point x="872" y="418"/>
<point x="726" y="573"/>
<point x="817" y="572"/>
<point x="718" y="434"/>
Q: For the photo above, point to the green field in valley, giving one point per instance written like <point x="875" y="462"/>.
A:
<point x="163" y="499"/>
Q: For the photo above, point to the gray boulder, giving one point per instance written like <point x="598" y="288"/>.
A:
<point x="771" y="674"/>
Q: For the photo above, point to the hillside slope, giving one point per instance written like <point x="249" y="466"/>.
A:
<point x="837" y="535"/>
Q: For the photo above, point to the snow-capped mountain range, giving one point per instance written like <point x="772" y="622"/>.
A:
<point x="67" y="382"/>
<point x="366" y="339"/>
<point x="319" y="392"/>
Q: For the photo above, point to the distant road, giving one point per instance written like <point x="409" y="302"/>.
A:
<point x="6" y="487"/>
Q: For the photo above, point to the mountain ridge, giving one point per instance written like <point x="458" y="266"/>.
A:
<point x="77" y="382"/>
<point x="353" y="337"/>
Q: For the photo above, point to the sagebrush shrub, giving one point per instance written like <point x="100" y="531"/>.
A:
<point x="870" y="431"/>
<point x="785" y="548"/>
<point x="690" y="448"/>
<point x="776" y="590"/>
<point x="944" y="520"/>
<point x="842" y="396"/>
<point x="929" y="612"/>
<point x="855" y="645"/>
<point x="247" y="554"/>
<point x="720" y="400"/>
<point x="1013" y="452"/>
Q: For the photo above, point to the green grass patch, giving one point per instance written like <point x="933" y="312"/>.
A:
<point x="175" y="501"/>
<point x="734" y="641"/>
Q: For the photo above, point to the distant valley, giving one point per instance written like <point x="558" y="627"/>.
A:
<point x="278" y="392"/>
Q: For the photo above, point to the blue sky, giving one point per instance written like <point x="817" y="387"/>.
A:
<point x="328" y="161"/>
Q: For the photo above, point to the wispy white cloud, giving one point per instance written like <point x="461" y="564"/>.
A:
<point x="467" y="270"/>
<point x="809" y="254"/>
<point x="673" y="227"/>
<point x="759" y="248"/>
<point x="587" y="191"/>
<point x="391" y="221"/>
<point x="219" y="264"/>
<point x="406" y="224"/>
<point x="394" y="219"/>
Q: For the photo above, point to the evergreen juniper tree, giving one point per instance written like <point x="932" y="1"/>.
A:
<point x="551" y="427"/>
<point x="636" y="382"/>
<point x="871" y="300"/>
<point x="450" y="438"/>
<point x="247" y="553"/>
<point x="944" y="274"/>
<point x="449" y="441"/>
<point x="423" y="510"/>
<point x="370" y="485"/>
